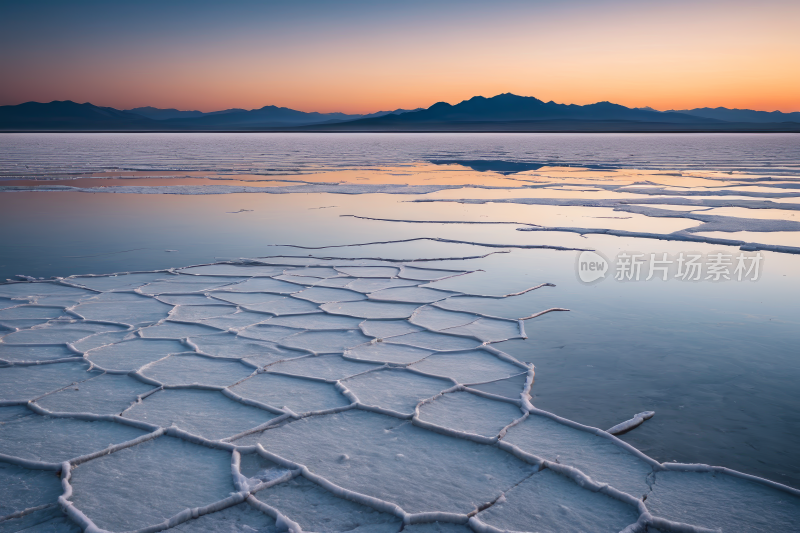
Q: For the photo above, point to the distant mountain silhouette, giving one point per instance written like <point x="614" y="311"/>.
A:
<point x="510" y="108"/>
<point x="61" y="115"/>
<point x="267" y="117"/>
<point x="166" y="114"/>
<point x="504" y="112"/>
<point x="509" y="112"/>
<point x="741" y="115"/>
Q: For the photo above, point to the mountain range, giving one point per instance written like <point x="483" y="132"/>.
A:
<point x="504" y="112"/>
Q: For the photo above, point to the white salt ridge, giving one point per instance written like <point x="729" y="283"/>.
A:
<point x="475" y="366"/>
<point x="9" y="352"/>
<point x="326" y="341"/>
<point x="193" y="313"/>
<point x="426" y="274"/>
<point x="375" y="310"/>
<point x="435" y="341"/>
<point x="528" y="470"/>
<point x="145" y="311"/>
<point x="270" y="285"/>
<point x="468" y="413"/>
<point x="31" y="312"/>
<point x="708" y="223"/>
<point x="315" y="322"/>
<point x="341" y="282"/>
<point x="395" y="390"/>
<point x="186" y="299"/>
<point x="322" y="295"/>
<point x="268" y="332"/>
<point x="101" y="339"/>
<point x="236" y="347"/>
<point x="58" y="332"/>
<point x="331" y="367"/>
<point x="116" y="491"/>
<point x="636" y="421"/>
<point x="189" y="369"/>
<point x="314" y="272"/>
<point x="43" y="288"/>
<point x="242" y="518"/>
<point x="596" y="456"/>
<point x="20" y="383"/>
<point x="307" y="281"/>
<point x="284" y="307"/>
<point x="126" y="282"/>
<point x="15" y="325"/>
<point x="388" y="353"/>
<point x="176" y="330"/>
<point x="314" y="509"/>
<point x="130" y="355"/>
<point x="234" y="270"/>
<point x="53" y="440"/>
<point x="506" y="387"/>
<point x="437" y="527"/>
<point x="419" y="295"/>
<point x="382" y="329"/>
<point x="106" y="394"/>
<point x="206" y="413"/>
<point x="298" y="394"/>
<point x="22" y="488"/>
<point x="376" y="284"/>
<point x="333" y="188"/>
<point x="369" y="272"/>
<point x="46" y="519"/>
<point x="490" y="330"/>
<point x="185" y="285"/>
<point x="396" y="462"/>
<point x="236" y="321"/>
<point x="437" y="319"/>
<point x="547" y="501"/>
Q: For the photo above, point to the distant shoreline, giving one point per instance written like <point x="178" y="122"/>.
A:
<point x="687" y="131"/>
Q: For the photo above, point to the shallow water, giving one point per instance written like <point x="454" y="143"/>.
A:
<point x="36" y="154"/>
<point x="716" y="361"/>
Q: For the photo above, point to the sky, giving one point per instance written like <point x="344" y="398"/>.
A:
<point x="365" y="56"/>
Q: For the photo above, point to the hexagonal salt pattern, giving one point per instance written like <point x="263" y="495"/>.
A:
<point x="46" y="519"/>
<point x="547" y="501"/>
<point x="209" y="414"/>
<point x="119" y="491"/>
<point x="52" y="440"/>
<point x="395" y="390"/>
<point x="316" y="395"/>
<point x="298" y="394"/>
<point x="397" y="462"/>
<point x="242" y="518"/>
<point x="315" y="509"/>
<point x="21" y="383"/>
<point x="190" y="369"/>
<point x="469" y="413"/>
<point x="597" y="457"/>
<point x="22" y="488"/>
<point x="106" y="394"/>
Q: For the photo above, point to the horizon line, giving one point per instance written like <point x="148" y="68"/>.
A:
<point x="393" y="109"/>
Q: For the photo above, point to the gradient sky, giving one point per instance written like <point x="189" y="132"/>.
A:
<point x="364" y="56"/>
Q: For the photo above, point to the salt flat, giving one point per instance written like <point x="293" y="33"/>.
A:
<point x="375" y="435"/>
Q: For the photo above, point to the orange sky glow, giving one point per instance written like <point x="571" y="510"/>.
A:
<point x="663" y="55"/>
